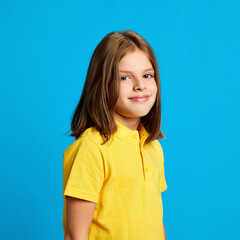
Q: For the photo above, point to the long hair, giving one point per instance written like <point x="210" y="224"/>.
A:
<point x="101" y="88"/>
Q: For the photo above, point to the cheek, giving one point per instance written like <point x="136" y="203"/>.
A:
<point x="154" y="88"/>
<point x="123" y="91"/>
<point x="154" y="91"/>
<point x="120" y="95"/>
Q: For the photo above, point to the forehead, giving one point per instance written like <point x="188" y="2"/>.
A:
<point x="135" y="61"/>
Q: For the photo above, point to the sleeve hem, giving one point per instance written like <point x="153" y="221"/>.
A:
<point x="163" y="188"/>
<point x="81" y="195"/>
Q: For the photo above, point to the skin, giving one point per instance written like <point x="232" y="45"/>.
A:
<point x="137" y="95"/>
<point x="138" y="89"/>
<point x="164" y="233"/>
<point x="79" y="218"/>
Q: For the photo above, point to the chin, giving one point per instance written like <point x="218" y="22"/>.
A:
<point x="139" y="115"/>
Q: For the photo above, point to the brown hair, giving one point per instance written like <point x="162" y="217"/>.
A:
<point x="100" y="92"/>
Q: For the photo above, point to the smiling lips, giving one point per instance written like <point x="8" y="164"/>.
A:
<point x="142" y="98"/>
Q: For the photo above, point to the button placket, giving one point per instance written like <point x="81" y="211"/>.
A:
<point x="145" y="167"/>
<point x="135" y="136"/>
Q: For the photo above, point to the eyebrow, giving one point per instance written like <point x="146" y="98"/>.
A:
<point x="126" y="71"/>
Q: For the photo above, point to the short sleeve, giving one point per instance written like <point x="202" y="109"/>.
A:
<point x="163" y="184"/>
<point x="83" y="171"/>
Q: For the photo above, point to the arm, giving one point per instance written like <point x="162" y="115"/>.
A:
<point x="79" y="218"/>
<point x="164" y="233"/>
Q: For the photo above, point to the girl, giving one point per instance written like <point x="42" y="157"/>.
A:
<point x="114" y="173"/>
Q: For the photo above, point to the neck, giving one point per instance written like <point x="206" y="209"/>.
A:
<point x="131" y="123"/>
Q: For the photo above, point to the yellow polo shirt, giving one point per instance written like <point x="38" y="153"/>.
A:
<point x="124" y="177"/>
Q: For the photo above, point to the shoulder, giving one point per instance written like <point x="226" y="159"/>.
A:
<point x="89" y="140"/>
<point x="92" y="134"/>
<point x="158" y="145"/>
<point x="86" y="150"/>
<point x="155" y="146"/>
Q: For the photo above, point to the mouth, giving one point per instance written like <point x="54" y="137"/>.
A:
<point x="142" y="98"/>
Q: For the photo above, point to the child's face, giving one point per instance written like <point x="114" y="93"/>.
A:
<point x="138" y="88"/>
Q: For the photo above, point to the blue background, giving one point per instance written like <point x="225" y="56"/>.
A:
<point x="45" y="48"/>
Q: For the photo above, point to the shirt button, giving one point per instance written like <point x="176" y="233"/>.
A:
<point x="146" y="169"/>
<point x="135" y="136"/>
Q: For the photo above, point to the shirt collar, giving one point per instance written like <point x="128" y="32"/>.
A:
<point x="123" y="131"/>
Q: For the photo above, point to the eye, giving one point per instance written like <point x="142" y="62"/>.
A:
<point x="125" y="77"/>
<point x="148" y="75"/>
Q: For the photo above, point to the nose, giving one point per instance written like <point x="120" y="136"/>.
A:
<point x="139" y="84"/>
